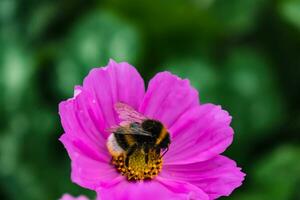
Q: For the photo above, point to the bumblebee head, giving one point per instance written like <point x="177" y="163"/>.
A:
<point x="153" y="126"/>
<point x="160" y="135"/>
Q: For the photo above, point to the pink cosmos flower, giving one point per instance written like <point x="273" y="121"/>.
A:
<point x="69" y="197"/>
<point x="192" y="168"/>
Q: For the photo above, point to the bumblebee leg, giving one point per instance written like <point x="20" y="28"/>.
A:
<point x="165" y="152"/>
<point x="130" y="151"/>
<point x="157" y="151"/>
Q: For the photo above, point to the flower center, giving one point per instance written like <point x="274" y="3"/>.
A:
<point x="140" y="166"/>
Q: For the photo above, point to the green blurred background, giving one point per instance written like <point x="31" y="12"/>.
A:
<point x="242" y="54"/>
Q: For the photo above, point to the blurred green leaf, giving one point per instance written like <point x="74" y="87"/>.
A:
<point x="7" y="10"/>
<point x="276" y="176"/>
<point x="235" y="16"/>
<point x="41" y="18"/>
<point x="279" y="173"/>
<point x="252" y="94"/>
<point x="10" y="143"/>
<point x="202" y="75"/>
<point x="16" y="70"/>
<point x="96" y="38"/>
<point x="290" y="11"/>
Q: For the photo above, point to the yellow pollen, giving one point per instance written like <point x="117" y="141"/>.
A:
<point x="137" y="168"/>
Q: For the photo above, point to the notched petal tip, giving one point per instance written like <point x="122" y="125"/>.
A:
<point x="112" y="61"/>
<point x="175" y="76"/>
<point x="77" y="90"/>
<point x="114" y="64"/>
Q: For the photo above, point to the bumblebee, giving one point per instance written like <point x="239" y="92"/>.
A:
<point x="145" y="136"/>
<point x="138" y="144"/>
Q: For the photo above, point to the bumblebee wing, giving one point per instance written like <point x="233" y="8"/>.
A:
<point x="131" y="130"/>
<point x="137" y="130"/>
<point x="127" y="114"/>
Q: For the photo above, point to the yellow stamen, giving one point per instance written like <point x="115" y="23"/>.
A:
<point x="137" y="168"/>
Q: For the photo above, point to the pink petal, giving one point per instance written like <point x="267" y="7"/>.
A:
<point x="217" y="177"/>
<point x="69" y="197"/>
<point x="90" y="169"/>
<point x="79" y="119"/>
<point x="117" y="82"/>
<point x="168" y="97"/>
<point x="160" y="188"/>
<point x="87" y="116"/>
<point x="199" y="135"/>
